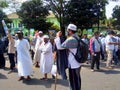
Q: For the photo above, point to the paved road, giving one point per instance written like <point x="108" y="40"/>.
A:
<point x="98" y="80"/>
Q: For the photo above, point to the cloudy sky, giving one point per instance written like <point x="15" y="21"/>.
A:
<point x="110" y="7"/>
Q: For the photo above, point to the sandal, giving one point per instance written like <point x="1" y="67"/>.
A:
<point x="21" y="78"/>
<point x="43" y="79"/>
<point x="28" y="78"/>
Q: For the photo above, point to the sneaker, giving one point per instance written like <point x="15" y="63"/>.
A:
<point x="109" y="67"/>
<point x="92" y="70"/>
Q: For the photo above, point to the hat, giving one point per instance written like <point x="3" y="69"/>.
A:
<point x="19" y="32"/>
<point x="40" y="32"/>
<point x="46" y="36"/>
<point x="72" y="27"/>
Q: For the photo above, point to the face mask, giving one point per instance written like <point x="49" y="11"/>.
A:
<point x="20" y="36"/>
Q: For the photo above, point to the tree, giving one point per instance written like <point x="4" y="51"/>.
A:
<point x="85" y="13"/>
<point x="116" y="17"/>
<point x="58" y="8"/>
<point x="3" y="4"/>
<point x="33" y="15"/>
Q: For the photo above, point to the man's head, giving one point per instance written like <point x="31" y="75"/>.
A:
<point x="85" y="36"/>
<point x="111" y="33"/>
<point x="46" y="38"/>
<point x="20" y="35"/>
<point x="97" y="34"/>
<point x="40" y="33"/>
<point x="71" y="29"/>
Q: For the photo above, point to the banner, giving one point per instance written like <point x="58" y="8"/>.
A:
<point x="5" y="27"/>
<point x="52" y="33"/>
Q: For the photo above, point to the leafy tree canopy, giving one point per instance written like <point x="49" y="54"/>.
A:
<point x="85" y="13"/>
<point x="33" y="14"/>
<point x="116" y="17"/>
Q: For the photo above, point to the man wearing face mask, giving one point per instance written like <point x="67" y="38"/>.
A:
<point x="95" y="51"/>
<point x="110" y="46"/>
<point x="23" y="56"/>
<point x="46" y="57"/>
<point x="73" y="66"/>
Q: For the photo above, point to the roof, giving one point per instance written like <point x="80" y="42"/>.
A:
<point x="12" y="15"/>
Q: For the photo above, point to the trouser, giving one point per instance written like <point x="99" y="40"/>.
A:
<point x="102" y="54"/>
<point x="2" y="60"/>
<point x="118" y="55"/>
<point x="115" y="57"/>
<point x="96" y="59"/>
<point x="109" y="57"/>
<point x="75" y="79"/>
<point x="12" y="61"/>
<point x="63" y="73"/>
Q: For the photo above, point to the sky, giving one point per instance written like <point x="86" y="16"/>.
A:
<point x="109" y="7"/>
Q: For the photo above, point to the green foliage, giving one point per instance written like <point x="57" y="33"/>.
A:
<point x="85" y="13"/>
<point x="33" y="14"/>
<point x="116" y="17"/>
<point x="3" y="4"/>
<point x="58" y="8"/>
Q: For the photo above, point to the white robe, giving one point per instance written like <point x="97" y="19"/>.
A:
<point x="37" y="51"/>
<point x="24" y="58"/>
<point x="46" y="58"/>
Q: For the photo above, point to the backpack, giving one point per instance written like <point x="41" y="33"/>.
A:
<point x="82" y="51"/>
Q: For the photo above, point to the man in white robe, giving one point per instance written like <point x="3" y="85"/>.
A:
<point x="46" y="57"/>
<point x="23" y="57"/>
<point x="37" y="51"/>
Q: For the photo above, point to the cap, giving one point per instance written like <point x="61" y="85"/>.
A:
<point x="40" y="32"/>
<point x="72" y="27"/>
<point x="46" y="36"/>
<point x="19" y="32"/>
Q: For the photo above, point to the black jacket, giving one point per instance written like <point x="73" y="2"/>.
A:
<point x="1" y="47"/>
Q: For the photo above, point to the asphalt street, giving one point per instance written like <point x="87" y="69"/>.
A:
<point x="104" y="79"/>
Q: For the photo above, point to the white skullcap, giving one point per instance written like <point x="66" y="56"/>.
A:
<point x="46" y="36"/>
<point x="72" y="27"/>
<point x="40" y="32"/>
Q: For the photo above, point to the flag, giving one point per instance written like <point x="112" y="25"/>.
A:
<point x="5" y="27"/>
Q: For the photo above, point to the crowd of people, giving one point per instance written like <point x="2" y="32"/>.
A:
<point x="43" y="53"/>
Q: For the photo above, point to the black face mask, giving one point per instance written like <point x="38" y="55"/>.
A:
<point x="20" y="36"/>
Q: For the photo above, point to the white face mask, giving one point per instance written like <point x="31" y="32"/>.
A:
<point x="111" y="35"/>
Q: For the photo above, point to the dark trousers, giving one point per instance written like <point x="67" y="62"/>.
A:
<point x="2" y="60"/>
<point x="12" y="61"/>
<point x="102" y="54"/>
<point x="75" y="79"/>
<point x="96" y="59"/>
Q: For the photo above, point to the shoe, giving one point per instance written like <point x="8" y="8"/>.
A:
<point x="92" y="70"/>
<point x="43" y="79"/>
<point x="109" y="67"/>
<point x="37" y="65"/>
<point x="21" y="78"/>
<point x="11" y="71"/>
<point x="28" y="78"/>
<point x="2" y="67"/>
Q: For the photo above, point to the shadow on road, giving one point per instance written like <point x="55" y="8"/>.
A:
<point x="47" y="83"/>
<point x="112" y="71"/>
<point x="3" y="76"/>
<point x="103" y="69"/>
